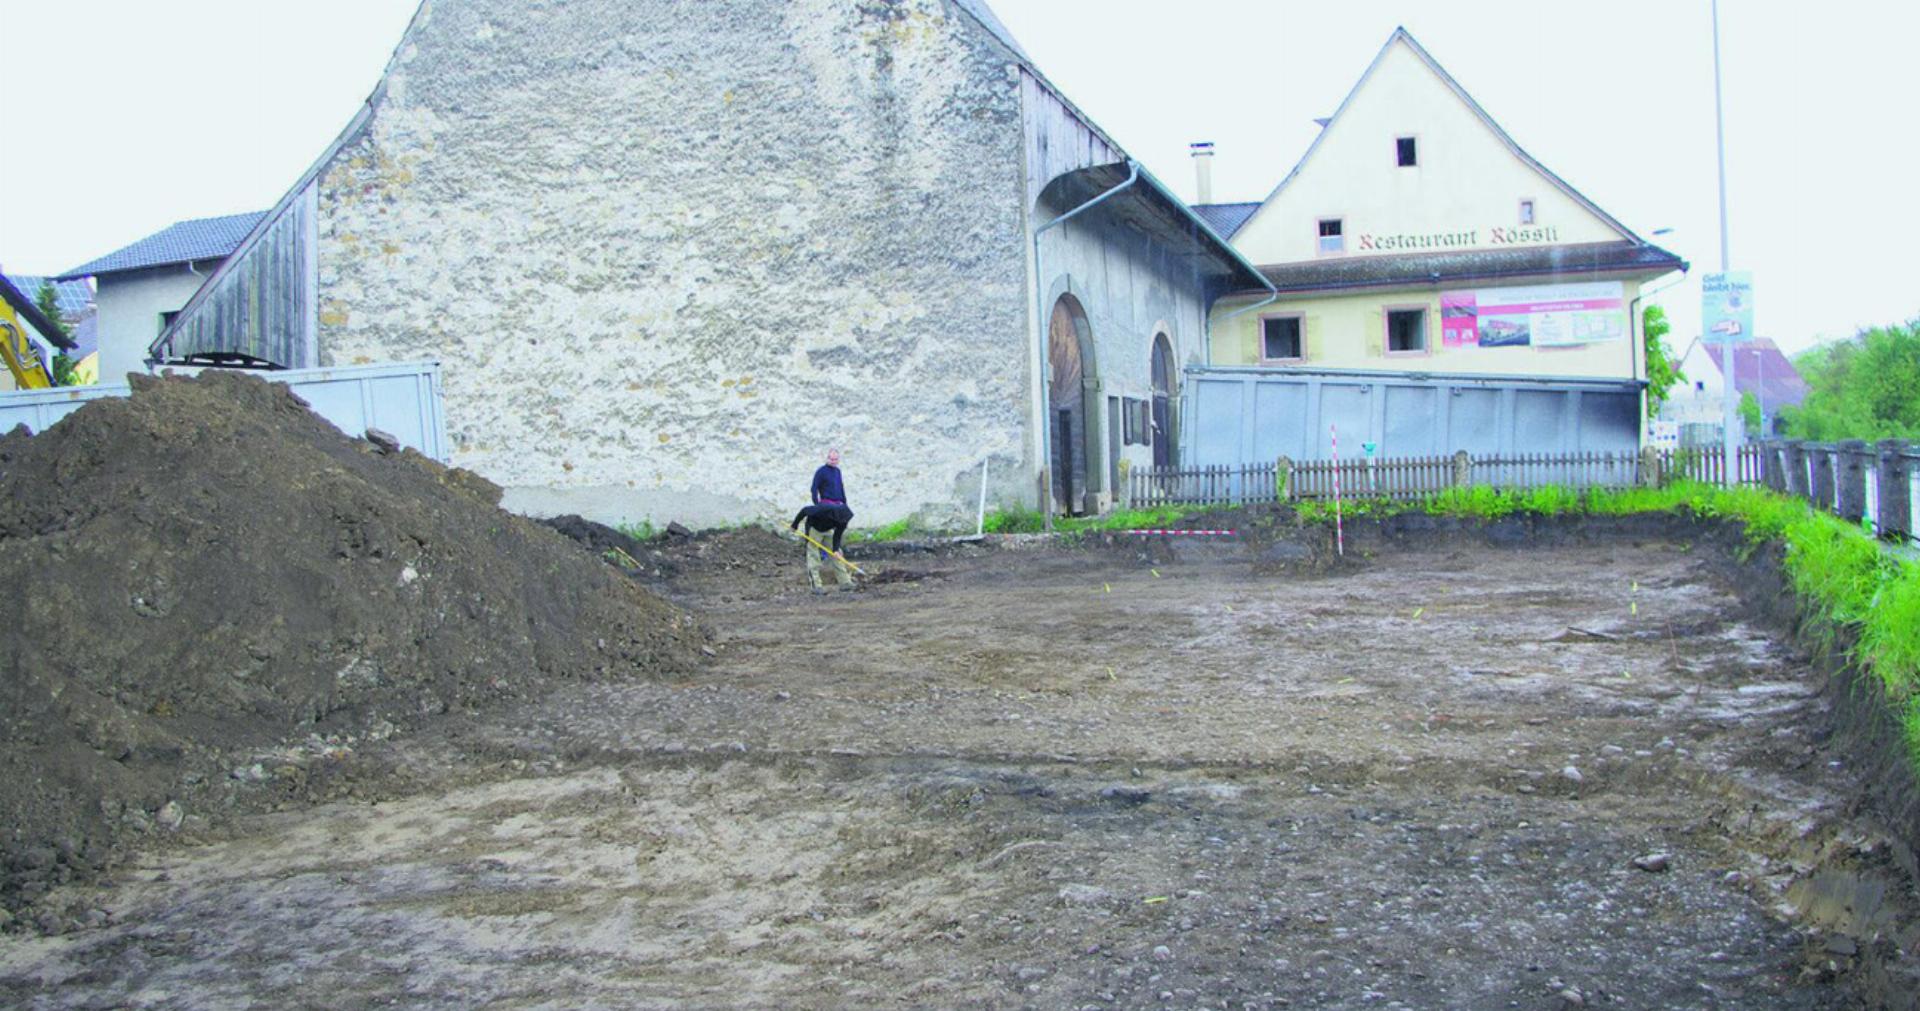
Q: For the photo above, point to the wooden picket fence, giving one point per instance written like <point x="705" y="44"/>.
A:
<point x="1406" y="477"/>
<point x="1878" y="484"/>
<point x="1421" y="476"/>
<point x="1218" y="485"/>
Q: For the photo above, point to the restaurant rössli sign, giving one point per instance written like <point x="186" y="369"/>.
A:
<point x="1402" y="242"/>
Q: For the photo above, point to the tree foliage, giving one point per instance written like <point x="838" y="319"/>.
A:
<point x="48" y="301"/>
<point x="1663" y="371"/>
<point x="1750" y="413"/>
<point x="62" y="366"/>
<point x="1867" y="387"/>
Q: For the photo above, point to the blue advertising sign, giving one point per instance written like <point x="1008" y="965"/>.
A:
<point x="1726" y="306"/>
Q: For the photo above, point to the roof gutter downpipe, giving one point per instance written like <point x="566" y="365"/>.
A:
<point x="1273" y="295"/>
<point x="1041" y="322"/>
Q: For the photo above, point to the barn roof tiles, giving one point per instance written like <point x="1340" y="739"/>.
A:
<point x="1226" y="218"/>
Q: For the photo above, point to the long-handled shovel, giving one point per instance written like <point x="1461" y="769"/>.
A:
<point x="829" y="552"/>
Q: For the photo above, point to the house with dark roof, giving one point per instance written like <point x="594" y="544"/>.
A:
<point x="71" y="297"/>
<point x="1434" y="288"/>
<point x="704" y="243"/>
<point x="138" y="287"/>
<point x="74" y="300"/>
<point x="1760" y="368"/>
<point x="28" y="340"/>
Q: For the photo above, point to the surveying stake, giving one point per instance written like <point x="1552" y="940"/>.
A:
<point x="1339" y="534"/>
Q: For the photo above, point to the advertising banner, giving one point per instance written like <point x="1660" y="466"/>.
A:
<point x="1726" y="306"/>
<point x="1545" y="315"/>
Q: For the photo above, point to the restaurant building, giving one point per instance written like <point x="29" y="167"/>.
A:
<point x="1438" y="289"/>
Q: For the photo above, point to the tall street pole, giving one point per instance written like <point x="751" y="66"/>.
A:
<point x="1728" y="442"/>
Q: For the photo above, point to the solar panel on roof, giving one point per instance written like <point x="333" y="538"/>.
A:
<point x="72" y="297"/>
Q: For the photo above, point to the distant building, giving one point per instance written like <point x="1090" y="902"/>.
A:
<point x="138" y="288"/>
<point x="74" y="299"/>
<point x="71" y="297"/>
<point x="1439" y="289"/>
<point x="1759" y="368"/>
<point x="30" y="340"/>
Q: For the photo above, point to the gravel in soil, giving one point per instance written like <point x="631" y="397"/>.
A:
<point x="1031" y="777"/>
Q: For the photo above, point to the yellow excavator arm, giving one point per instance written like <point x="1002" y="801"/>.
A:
<point x="23" y="359"/>
<point x="17" y="312"/>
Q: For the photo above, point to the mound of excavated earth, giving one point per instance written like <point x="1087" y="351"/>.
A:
<point x="204" y="572"/>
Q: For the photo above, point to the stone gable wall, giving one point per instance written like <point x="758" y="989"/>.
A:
<point x="668" y="253"/>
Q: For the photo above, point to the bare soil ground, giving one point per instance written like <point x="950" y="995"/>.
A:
<point x="1063" y="778"/>
<point x="207" y="584"/>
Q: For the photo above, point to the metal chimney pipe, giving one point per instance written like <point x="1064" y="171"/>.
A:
<point x="1203" y="170"/>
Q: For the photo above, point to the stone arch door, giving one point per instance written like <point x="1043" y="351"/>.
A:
<point x="1162" y="401"/>
<point x="1068" y="340"/>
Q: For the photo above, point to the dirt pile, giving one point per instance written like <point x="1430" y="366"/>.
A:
<point x="200" y="573"/>
<point x="744" y="562"/>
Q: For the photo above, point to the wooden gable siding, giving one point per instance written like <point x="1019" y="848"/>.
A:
<point x="261" y="303"/>
<point x="1058" y="140"/>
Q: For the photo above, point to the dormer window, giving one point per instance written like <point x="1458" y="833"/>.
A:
<point x="1331" y="239"/>
<point x="1407" y="151"/>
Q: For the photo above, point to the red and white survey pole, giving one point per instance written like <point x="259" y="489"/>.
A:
<point x="1339" y="535"/>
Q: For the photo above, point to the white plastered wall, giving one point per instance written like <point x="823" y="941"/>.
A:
<point x="1466" y="180"/>
<point x="129" y="306"/>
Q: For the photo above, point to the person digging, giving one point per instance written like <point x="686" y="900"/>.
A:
<point x="827" y="514"/>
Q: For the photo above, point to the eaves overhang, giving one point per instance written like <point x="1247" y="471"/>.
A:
<point x="1151" y="208"/>
<point x="1583" y="261"/>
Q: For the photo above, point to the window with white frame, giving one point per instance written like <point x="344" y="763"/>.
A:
<point x="1526" y="212"/>
<point x="1331" y="239"/>
<point x="1406" y="151"/>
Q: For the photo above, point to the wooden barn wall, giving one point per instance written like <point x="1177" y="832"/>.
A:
<point x="261" y="303"/>
<point x="1058" y="141"/>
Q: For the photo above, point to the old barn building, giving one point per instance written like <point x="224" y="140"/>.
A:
<point x="669" y="253"/>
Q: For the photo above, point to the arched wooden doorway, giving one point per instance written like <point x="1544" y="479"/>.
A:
<point x="1163" y="379"/>
<point x="1069" y="340"/>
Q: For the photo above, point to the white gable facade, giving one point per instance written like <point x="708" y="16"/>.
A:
<point x="1416" y="246"/>
<point x="1429" y="196"/>
<point x="1463" y="191"/>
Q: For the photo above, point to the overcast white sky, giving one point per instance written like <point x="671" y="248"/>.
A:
<point x="139" y="113"/>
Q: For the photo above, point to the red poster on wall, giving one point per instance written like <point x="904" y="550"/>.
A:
<point x="1459" y="319"/>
